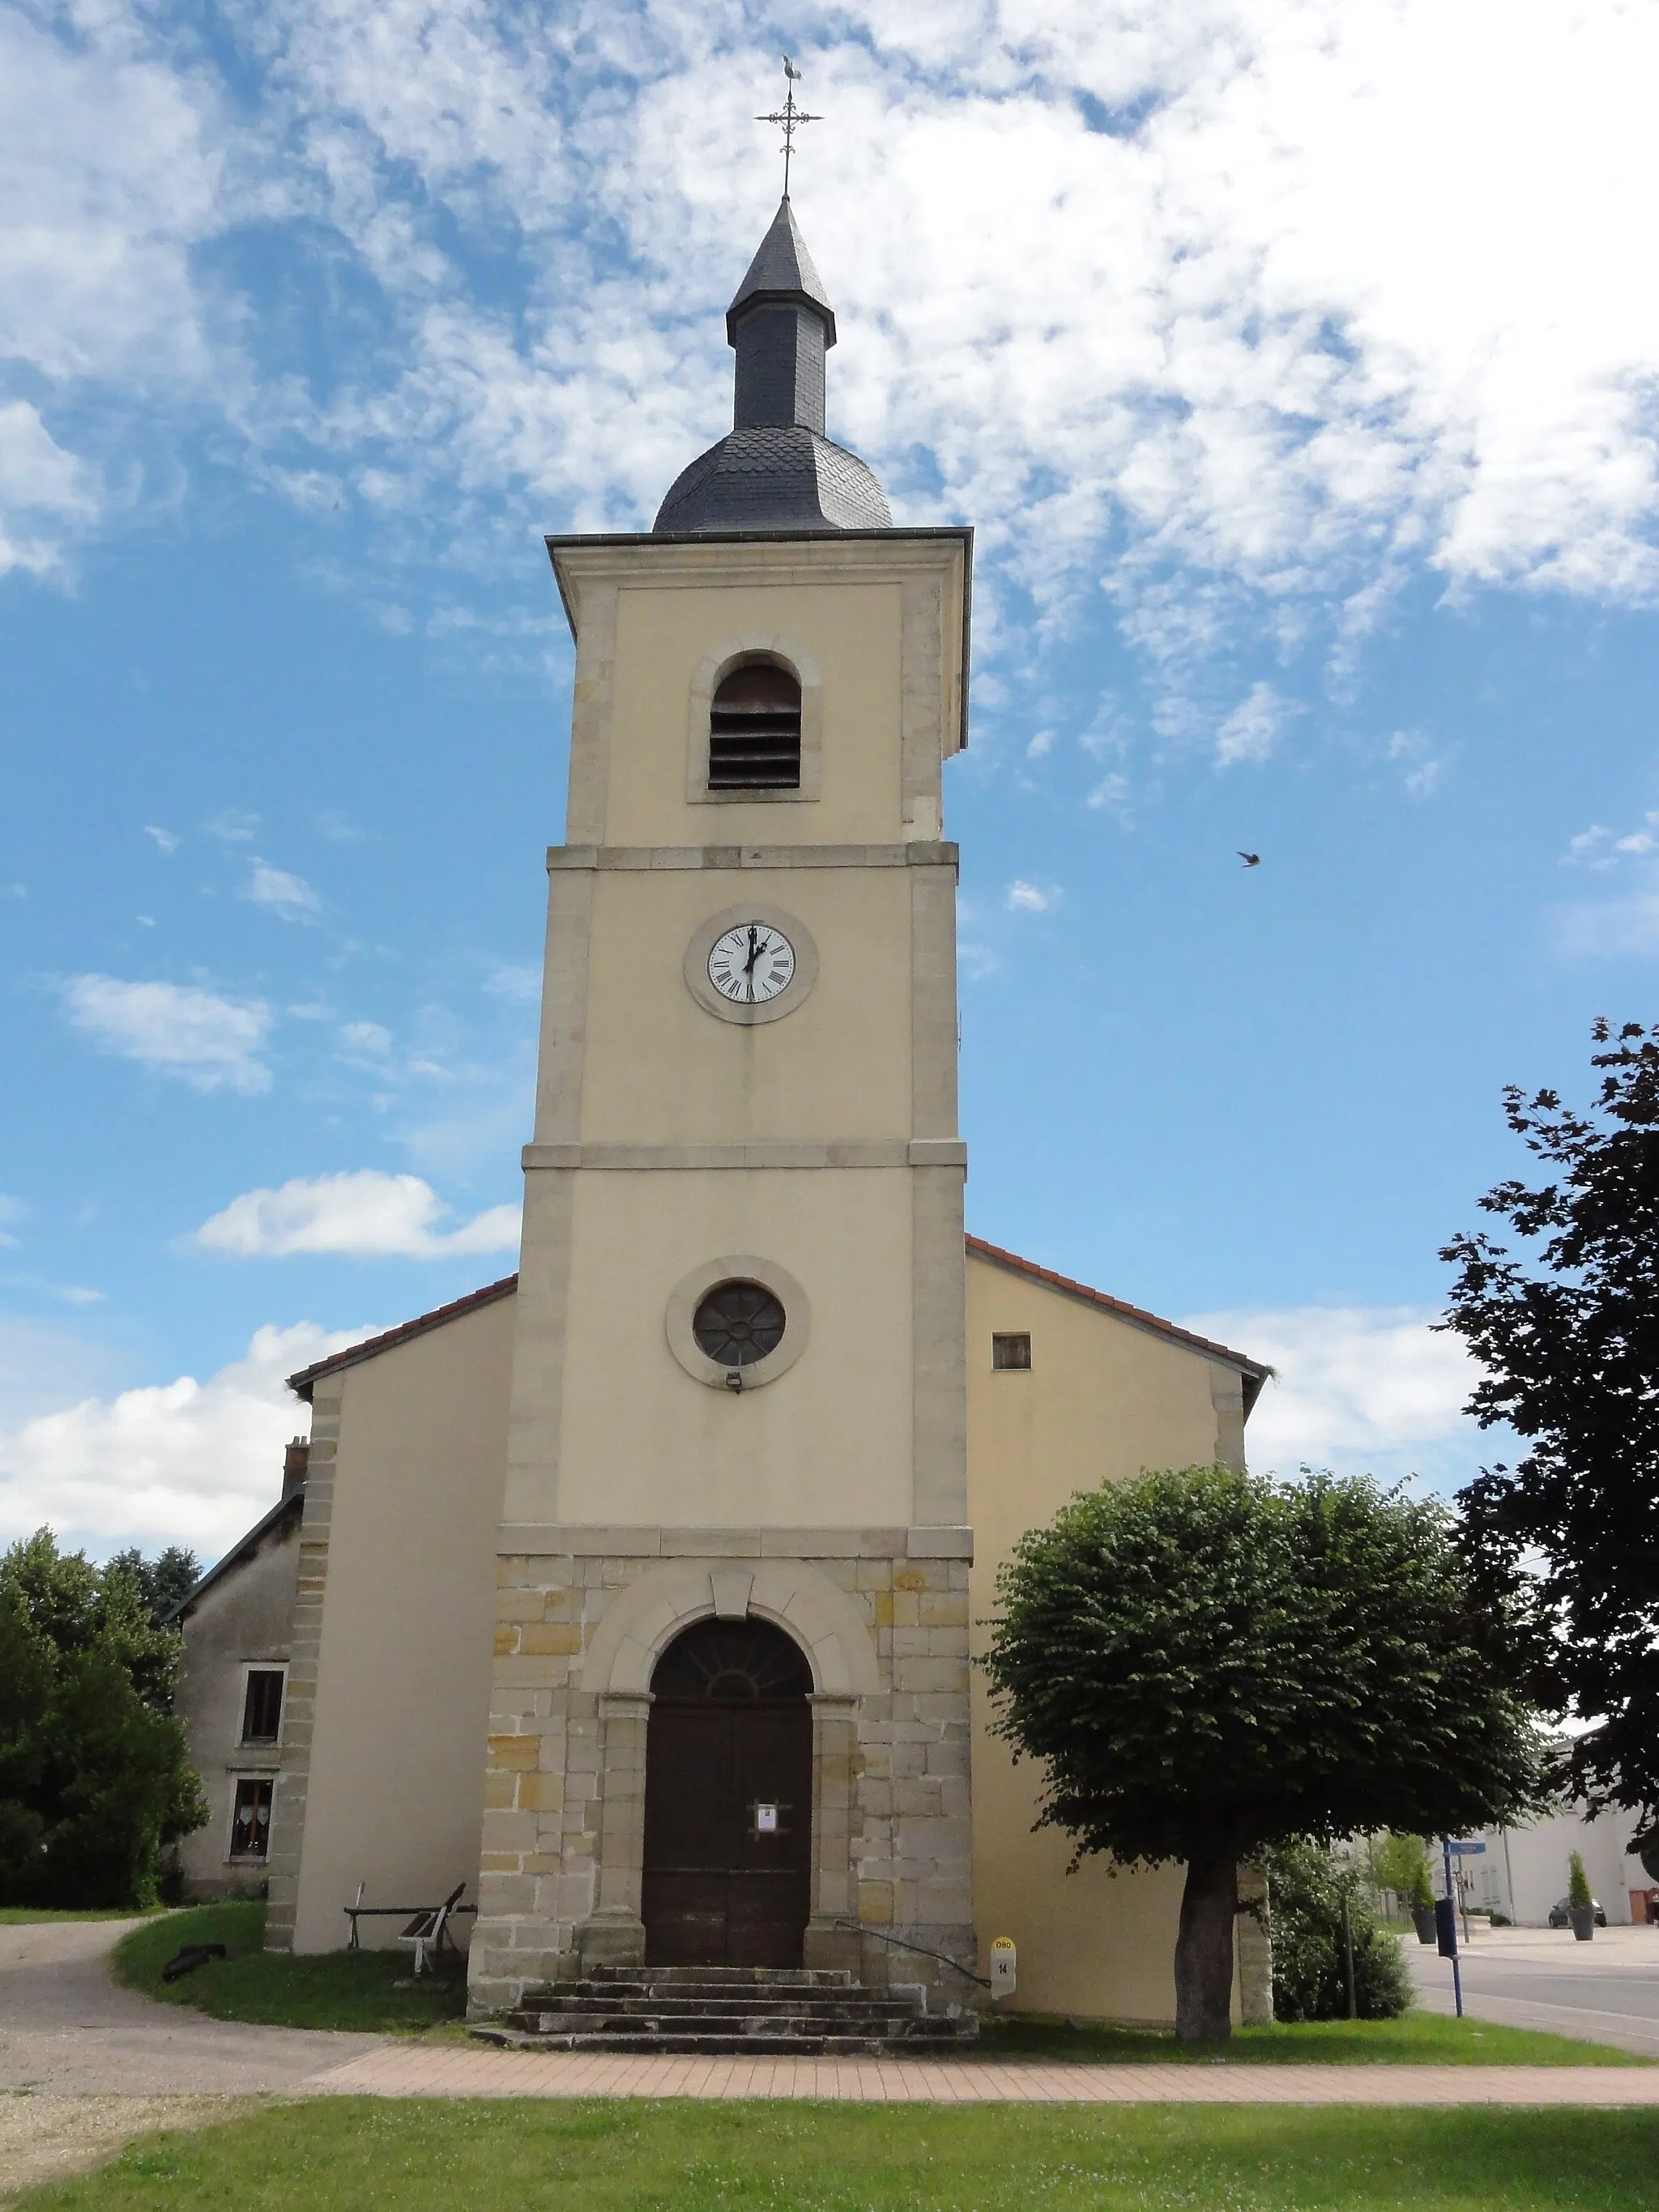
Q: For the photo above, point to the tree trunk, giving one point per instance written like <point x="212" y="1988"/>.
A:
<point x="1204" y="1948"/>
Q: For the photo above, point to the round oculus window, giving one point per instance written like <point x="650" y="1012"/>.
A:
<point x="737" y="1323"/>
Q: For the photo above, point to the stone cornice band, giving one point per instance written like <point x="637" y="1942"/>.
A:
<point x="656" y="858"/>
<point x="765" y="1153"/>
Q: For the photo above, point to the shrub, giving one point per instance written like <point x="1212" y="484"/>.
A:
<point x="1578" y="1888"/>
<point x="1307" y="1887"/>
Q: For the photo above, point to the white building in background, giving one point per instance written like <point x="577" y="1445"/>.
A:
<point x="1523" y="1872"/>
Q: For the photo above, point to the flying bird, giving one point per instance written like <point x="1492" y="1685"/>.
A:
<point x="1250" y="860"/>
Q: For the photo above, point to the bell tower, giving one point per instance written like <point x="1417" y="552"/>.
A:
<point x="737" y="1458"/>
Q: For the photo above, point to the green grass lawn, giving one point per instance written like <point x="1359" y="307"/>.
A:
<point x="356" y="1990"/>
<point x="1417" y="2039"/>
<point x="334" y="1988"/>
<point x="347" y="2155"/>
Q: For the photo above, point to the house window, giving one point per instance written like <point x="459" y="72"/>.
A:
<point x="250" y="1821"/>
<point x="1010" y="1352"/>
<point x="754" y="729"/>
<point x="262" y="1706"/>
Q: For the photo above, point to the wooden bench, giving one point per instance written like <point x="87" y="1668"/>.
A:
<point x="428" y="1933"/>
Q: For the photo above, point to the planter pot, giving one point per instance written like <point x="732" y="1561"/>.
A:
<point x="1582" y="1917"/>
<point x="1422" y="1915"/>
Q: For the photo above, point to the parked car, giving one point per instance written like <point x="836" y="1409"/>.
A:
<point x="1561" y="1914"/>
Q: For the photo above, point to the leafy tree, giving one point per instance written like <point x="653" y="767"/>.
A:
<point x="1569" y="1340"/>
<point x="164" y="1581"/>
<point x="1209" y="1664"/>
<point x="96" y="1779"/>
<point x="1401" y="1863"/>
<point x="1309" y="1887"/>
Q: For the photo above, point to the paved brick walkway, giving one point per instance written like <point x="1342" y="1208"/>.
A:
<point x="451" y="2071"/>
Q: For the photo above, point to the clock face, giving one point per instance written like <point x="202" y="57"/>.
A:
<point x="751" y="964"/>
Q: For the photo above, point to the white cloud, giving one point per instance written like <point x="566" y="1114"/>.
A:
<point x="184" y="1462"/>
<point x="520" y="984"/>
<point x="42" y="490"/>
<point x="11" y="1209"/>
<point x="109" y="182"/>
<point x="232" y="826"/>
<point x="1357" y="1387"/>
<point x="1325" y="299"/>
<point x="210" y="1042"/>
<point x="166" y="840"/>
<point x="1251" y="730"/>
<point x="1111" y="795"/>
<point x="366" y="1213"/>
<point x="361" y="1041"/>
<point x="1031" y="898"/>
<point x="291" y="897"/>
<point x="1626" y="924"/>
<point x="1422" y="771"/>
<point x="1609" y="929"/>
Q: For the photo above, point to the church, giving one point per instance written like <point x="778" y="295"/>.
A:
<point x="640" y="1591"/>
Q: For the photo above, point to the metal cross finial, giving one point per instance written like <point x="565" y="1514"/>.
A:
<point x="790" y="116"/>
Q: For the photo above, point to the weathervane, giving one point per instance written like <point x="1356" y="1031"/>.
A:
<point x="790" y="116"/>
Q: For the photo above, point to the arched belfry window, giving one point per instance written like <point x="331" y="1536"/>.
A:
<point x="754" y="729"/>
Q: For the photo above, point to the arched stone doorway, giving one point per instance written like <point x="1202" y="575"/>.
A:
<point x="728" y="1799"/>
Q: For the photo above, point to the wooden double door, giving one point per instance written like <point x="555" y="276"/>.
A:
<point x="728" y="1799"/>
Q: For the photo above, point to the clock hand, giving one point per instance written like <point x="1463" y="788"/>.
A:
<point x="755" y="951"/>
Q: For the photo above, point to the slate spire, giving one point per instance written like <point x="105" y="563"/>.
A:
<point x="780" y="324"/>
<point x="775" y="469"/>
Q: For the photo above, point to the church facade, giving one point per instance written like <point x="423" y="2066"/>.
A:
<point x="640" y="1590"/>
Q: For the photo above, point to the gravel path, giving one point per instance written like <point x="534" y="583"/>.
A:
<point x="43" y="2138"/>
<point x="67" y="2031"/>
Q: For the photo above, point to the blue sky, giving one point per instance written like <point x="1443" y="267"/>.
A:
<point x="1295" y="363"/>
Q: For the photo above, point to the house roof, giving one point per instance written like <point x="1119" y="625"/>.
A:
<point x="242" y="1549"/>
<point x="302" y="1383"/>
<point x="1254" y="1371"/>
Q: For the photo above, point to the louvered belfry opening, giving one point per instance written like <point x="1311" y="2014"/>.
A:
<point x="754" y="729"/>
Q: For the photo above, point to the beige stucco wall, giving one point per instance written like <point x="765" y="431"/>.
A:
<point x="827" y="1443"/>
<point x="245" y="1616"/>
<point x="850" y="630"/>
<point x="657" y="1069"/>
<point x="396" y="1782"/>
<point x="1103" y="1398"/>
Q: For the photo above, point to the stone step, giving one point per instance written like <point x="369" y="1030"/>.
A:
<point x="720" y="2043"/>
<point x="595" y="2022"/>
<point x="764" y="2011"/>
<point x="596" y="2019"/>
<point x="660" y="2004"/>
<point x="817" y="1977"/>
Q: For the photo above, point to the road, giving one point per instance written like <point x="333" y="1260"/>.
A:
<point x="1604" y="1991"/>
